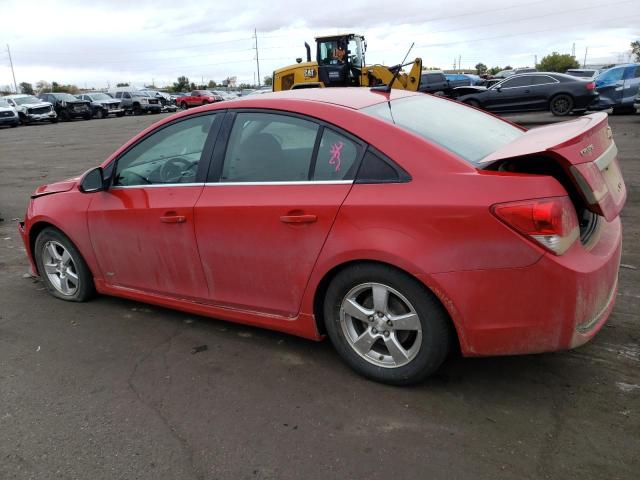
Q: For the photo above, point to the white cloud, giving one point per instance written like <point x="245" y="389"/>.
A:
<point x="113" y="41"/>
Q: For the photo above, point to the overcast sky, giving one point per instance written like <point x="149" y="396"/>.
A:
<point x="100" y="43"/>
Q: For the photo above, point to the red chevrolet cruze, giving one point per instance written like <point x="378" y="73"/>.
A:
<point x="398" y="224"/>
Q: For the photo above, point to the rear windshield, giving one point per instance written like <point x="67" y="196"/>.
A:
<point x="469" y="133"/>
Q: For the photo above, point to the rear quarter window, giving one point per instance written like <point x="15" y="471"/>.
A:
<point x="464" y="131"/>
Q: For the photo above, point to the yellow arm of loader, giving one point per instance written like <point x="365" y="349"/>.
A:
<point x="410" y="81"/>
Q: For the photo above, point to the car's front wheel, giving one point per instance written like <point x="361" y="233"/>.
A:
<point x="385" y="324"/>
<point x="62" y="269"/>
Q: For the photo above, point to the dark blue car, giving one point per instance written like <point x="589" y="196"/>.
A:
<point x="618" y="87"/>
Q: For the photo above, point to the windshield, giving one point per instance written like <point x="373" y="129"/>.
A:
<point x="3" y="103"/>
<point x="27" y="99"/>
<point x="67" y="97"/>
<point x="99" y="96"/>
<point x="469" y="133"/>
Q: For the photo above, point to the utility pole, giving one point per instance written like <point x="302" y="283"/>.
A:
<point x="584" y="64"/>
<point x="12" y="72"/>
<point x="454" y="64"/>
<point x="255" y="33"/>
<point x="535" y="61"/>
<point x="573" y="50"/>
<point x="459" y="62"/>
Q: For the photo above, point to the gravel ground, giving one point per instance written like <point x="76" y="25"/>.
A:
<point x="110" y="389"/>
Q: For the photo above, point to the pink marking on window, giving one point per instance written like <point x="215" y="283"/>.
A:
<point x="336" y="153"/>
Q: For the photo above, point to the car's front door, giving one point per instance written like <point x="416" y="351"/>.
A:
<point x="269" y="205"/>
<point x="142" y="227"/>
<point x="513" y="94"/>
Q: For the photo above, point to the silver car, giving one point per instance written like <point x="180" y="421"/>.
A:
<point x="32" y="109"/>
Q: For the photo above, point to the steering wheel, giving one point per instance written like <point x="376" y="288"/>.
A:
<point x="173" y="170"/>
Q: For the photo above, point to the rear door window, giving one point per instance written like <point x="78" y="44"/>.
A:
<point x="267" y="147"/>
<point x="337" y="157"/>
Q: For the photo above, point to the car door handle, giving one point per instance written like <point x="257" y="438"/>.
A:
<point x="173" y="219"/>
<point x="298" y="218"/>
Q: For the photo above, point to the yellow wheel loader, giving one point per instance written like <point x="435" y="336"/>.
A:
<point x="340" y="63"/>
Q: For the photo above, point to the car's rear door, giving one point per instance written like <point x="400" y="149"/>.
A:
<point x="277" y="184"/>
<point x="142" y="227"/>
<point x="631" y="84"/>
<point x="542" y="89"/>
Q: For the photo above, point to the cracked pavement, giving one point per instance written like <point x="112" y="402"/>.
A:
<point x="111" y="389"/>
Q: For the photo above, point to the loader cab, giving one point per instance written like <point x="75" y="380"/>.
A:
<point x="340" y="59"/>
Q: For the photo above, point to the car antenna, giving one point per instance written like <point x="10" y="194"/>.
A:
<point x="395" y="75"/>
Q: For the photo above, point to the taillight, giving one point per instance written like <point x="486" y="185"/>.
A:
<point x="551" y="222"/>
<point x="591" y="86"/>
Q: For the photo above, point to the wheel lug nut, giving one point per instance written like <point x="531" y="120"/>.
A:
<point x="386" y="333"/>
<point x="371" y="318"/>
<point x="390" y="323"/>
<point x="374" y="330"/>
<point x="380" y="314"/>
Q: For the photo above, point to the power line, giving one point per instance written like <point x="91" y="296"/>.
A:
<point x="522" y="33"/>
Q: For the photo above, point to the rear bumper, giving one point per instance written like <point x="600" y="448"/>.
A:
<point x="557" y="303"/>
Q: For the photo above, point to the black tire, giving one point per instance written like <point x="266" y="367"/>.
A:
<point x="54" y="120"/>
<point x="87" y="116"/>
<point x="183" y="105"/>
<point x="85" y="288"/>
<point x="433" y="320"/>
<point x="561" y="105"/>
<point x="137" y="109"/>
<point x="624" y="110"/>
<point x="14" y="125"/>
<point x="24" y="120"/>
<point x="101" y="113"/>
<point x="64" y="116"/>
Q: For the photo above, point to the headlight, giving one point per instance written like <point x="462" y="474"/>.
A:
<point x="144" y="100"/>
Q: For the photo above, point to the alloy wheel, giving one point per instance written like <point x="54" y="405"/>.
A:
<point x="381" y="325"/>
<point x="60" y="268"/>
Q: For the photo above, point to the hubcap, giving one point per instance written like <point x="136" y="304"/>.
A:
<point x="60" y="268"/>
<point x="381" y="325"/>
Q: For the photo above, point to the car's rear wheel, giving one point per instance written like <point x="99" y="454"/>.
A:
<point x="385" y="324"/>
<point x="183" y="105"/>
<point x="62" y="269"/>
<point x="561" y="105"/>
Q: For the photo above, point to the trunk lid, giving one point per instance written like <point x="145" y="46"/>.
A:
<point x="585" y="149"/>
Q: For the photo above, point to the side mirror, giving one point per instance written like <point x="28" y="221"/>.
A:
<point x="93" y="181"/>
<point x="498" y="88"/>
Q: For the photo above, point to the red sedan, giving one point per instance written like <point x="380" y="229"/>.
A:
<point x="397" y="224"/>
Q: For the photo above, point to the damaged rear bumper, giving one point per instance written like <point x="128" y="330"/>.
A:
<point x="558" y="303"/>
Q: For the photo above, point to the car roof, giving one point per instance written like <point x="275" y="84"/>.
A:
<point x="350" y="97"/>
<point x="19" y="95"/>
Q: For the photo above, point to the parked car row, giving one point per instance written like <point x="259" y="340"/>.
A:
<point x="53" y="107"/>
